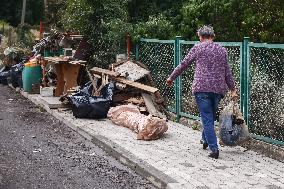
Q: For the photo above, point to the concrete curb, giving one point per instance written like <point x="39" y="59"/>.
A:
<point x="156" y="177"/>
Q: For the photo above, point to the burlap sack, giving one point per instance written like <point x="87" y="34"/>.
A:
<point x="147" y="127"/>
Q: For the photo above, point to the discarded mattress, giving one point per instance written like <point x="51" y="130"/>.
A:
<point x="147" y="127"/>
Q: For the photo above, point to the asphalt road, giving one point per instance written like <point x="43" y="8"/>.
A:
<point x="37" y="151"/>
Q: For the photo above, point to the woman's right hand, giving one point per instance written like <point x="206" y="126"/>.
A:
<point x="169" y="82"/>
<point x="234" y="95"/>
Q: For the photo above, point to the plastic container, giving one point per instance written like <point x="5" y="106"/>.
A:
<point x="47" y="53"/>
<point x="32" y="74"/>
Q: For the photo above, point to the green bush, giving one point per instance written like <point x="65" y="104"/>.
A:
<point x="156" y="27"/>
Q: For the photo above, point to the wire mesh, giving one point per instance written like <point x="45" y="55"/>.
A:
<point x="266" y="103"/>
<point x="188" y="104"/>
<point x="159" y="58"/>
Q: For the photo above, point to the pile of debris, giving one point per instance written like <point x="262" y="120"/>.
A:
<point x="133" y="84"/>
<point x="124" y="83"/>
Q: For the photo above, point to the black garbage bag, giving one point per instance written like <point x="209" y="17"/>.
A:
<point x="3" y="77"/>
<point x="85" y="90"/>
<point x="84" y="105"/>
<point x="16" y="75"/>
<point x="4" y="73"/>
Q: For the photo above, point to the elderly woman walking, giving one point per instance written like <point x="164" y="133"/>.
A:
<point x="212" y="78"/>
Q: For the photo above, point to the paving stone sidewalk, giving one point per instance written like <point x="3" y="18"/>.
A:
<point x="177" y="161"/>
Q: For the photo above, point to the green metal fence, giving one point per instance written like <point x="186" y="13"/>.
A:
<point x="257" y="68"/>
<point x="265" y="95"/>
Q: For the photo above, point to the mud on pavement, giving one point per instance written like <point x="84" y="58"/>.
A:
<point x="37" y="151"/>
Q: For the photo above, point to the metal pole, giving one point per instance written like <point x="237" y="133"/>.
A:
<point x="246" y="82"/>
<point x="23" y="12"/>
<point x="178" y="80"/>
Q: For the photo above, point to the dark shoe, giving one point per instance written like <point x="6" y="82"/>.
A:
<point x="205" y="146"/>
<point x="214" y="155"/>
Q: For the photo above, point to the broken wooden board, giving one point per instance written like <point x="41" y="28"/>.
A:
<point x="57" y="59"/>
<point x="112" y="66"/>
<point x="151" y="107"/>
<point x="94" y="81"/>
<point x="81" y="62"/>
<point x="120" y="97"/>
<point x="98" y="70"/>
<point x="52" y="102"/>
<point x="131" y="71"/>
<point x="136" y="85"/>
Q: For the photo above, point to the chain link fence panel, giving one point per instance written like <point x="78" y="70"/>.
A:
<point x="266" y="105"/>
<point x="159" y="58"/>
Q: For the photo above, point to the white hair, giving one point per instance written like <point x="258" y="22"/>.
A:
<point x="206" y="31"/>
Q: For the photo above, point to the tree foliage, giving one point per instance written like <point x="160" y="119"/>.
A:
<point x="104" y="23"/>
<point x="155" y="27"/>
<point x="261" y="20"/>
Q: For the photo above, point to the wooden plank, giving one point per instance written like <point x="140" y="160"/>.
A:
<point x="70" y="73"/>
<point x="56" y="59"/>
<point x="151" y="106"/>
<point x="98" y="70"/>
<point x="94" y="81"/>
<point x="60" y="80"/>
<point x="81" y="62"/>
<point x="136" y="84"/>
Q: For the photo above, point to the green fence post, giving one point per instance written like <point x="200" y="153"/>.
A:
<point x="242" y="71"/>
<point x="245" y="79"/>
<point x="177" y="56"/>
<point x="137" y="50"/>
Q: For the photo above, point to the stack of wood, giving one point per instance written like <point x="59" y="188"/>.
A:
<point x="133" y="83"/>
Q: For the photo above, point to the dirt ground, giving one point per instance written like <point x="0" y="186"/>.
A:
<point x="37" y="151"/>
